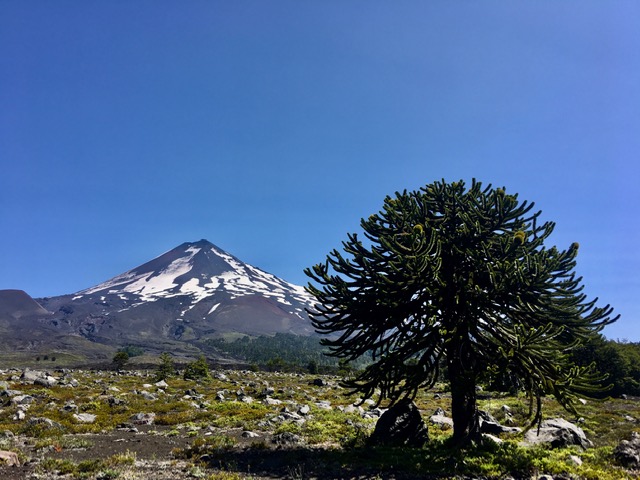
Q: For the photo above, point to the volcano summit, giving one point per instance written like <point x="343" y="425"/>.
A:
<point x="176" y="302"/>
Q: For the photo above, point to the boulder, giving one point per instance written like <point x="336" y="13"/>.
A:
<point x="441" y="421"/>
<point x="30" y="376"/>
<point x="287" y="438"/>
<point x="9" y="458"/>
<point x="400" y="425"/>
<point x="45" y="422"/>
<point x="488" y="424"/>
<point x="557" y="433"/>
<point x="627" y="453"/>
<point x="46" y="381"/>
<point x="84" y="417"/>
<point x="143" y="418"/>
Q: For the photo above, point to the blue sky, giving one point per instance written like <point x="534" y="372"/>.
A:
<point x="271" y="128"/>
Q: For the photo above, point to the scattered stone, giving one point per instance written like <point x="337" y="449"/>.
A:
<point x="115" y="401"/>
<point x="22" y="400"/>
<point x="46" y="382"/>
<point x="46" y="422"/>
<point x="557" y="433"/>
<point x="221" y="376"/>
<point x="320" y="382"/>
<point x="287" y="438"/>
<point x="148" y="396"/>
<point x="441" y="421"/>
<point x="440" y="411"/>
<point x="70" y="407"/>
<point x="304" y="410"/>
<point x="627" y="453"/>
<point x="488" y="424"/>
<point x="143" y="418"/>
<point x="246" y="399"/>
<point x="30" y="376"/>
<point x="324" y="404"/>
<point x="400" y="425"/>
<point x="266" y="392"/>
<point x="161" y="384"/>
<point x="272" y="401"/>
<point x="9" y="458"/>
<point x="84" y="417"/>
<point x="248" y="434"/>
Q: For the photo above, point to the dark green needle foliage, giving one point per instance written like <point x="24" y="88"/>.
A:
<point x="457" y="276"/>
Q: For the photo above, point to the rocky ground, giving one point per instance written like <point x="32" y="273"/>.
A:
<point x="241" y="424"/>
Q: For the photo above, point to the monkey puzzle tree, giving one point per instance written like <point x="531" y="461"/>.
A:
<point x="460" y="277"/>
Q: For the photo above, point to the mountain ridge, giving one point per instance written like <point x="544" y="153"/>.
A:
<point x="175" y="302"/>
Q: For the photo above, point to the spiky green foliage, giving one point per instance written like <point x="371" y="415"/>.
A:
<point x="120" y="359"/>
<point x="458" y="277"/>
<point x="166" y="368"/>
<point x="197" y="370"/>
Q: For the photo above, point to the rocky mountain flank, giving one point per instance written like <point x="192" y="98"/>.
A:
<point x="175" y="302"/>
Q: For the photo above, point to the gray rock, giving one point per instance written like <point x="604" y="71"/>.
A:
<point x="47" y="381"/>
<point x="70" y="407"/>
<point x="627" y="453"/>
<point x="304" y="410"/>
<point x="46" y="422"/>
<point x="441" y="421"/>
<point x="320" y="382"/>
<point x="557" y="433"/>
<point x="324" y="404"/>
<point x="287" y="438"/>
<point x="488" y="424"/>
<point x="22" y="400"/>
<point x="161" y="384"/>
<point x="30" y="376"/>
<point x="143" y="418"/>
<point x="400" y="425"/>
<point x="248" y="434"/>
<point x="148" y="395"/>
<point x="84" y="417"/>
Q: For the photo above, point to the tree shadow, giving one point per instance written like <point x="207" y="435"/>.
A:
<point x="324" y="464"/>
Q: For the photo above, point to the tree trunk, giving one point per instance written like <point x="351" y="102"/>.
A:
<point x="466" y="424"/>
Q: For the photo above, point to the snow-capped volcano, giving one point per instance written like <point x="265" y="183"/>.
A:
<point x="200" y="271"/>
<point x="192" y="293"/>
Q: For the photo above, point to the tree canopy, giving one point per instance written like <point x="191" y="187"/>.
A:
<point x="460" y="277"/>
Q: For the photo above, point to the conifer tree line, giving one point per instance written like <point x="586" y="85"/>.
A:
<point x="460" y="277"/>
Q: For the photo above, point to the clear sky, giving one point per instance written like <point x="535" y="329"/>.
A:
<point x="271" y="127"/>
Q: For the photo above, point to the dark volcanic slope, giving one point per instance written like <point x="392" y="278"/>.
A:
<point x="18" y="304"/>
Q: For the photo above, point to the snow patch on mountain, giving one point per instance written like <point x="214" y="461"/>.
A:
<point x="235" y="278"/>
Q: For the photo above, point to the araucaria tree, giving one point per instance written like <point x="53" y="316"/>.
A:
<point x="461" y="277"/>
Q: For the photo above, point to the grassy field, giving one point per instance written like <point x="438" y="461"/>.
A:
<point x="244" y="424"/>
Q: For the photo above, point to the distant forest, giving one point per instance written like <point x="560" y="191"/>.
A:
<point x="618" y="360"/>
<point x="285" y="352"/>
